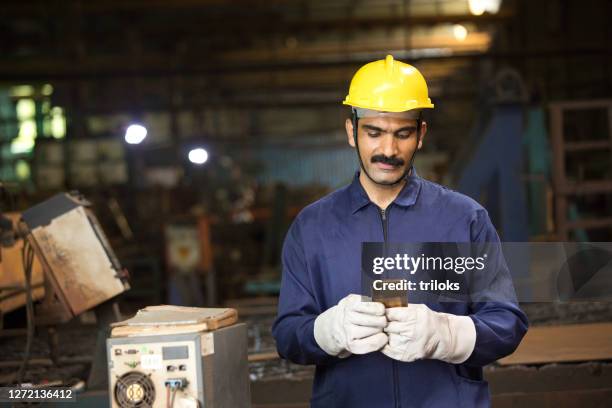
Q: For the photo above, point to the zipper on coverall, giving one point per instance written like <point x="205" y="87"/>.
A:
<point x="384" y="217"/>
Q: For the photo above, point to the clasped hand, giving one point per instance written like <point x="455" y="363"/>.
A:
<point x="403" y="333"/>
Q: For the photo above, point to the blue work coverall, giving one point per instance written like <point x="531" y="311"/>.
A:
<point x="321" y="265"/>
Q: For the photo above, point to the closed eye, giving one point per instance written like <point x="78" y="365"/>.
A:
<point x="405" y="133"/>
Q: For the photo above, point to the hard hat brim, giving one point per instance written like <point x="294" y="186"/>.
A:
<point x="369" y="113"/>
<point x="414" y="106"/>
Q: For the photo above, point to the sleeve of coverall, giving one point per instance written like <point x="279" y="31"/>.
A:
<point x="500" y="326"/>
<point x="293" y="329"/>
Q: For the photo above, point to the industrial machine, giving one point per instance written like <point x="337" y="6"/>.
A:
<point x="193" y="362"/>
<point x="81" y="269"/>
<point x="67" y="261"/>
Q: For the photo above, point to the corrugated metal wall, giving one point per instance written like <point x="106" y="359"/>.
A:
<point x="330" y="166"/>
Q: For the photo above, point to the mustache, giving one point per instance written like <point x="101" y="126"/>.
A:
<point x="392" y="161"/>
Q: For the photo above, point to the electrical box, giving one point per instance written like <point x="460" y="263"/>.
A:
<point x="202" y="369"/>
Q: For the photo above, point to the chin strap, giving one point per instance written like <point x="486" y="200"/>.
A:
<point x="355" y="121"/>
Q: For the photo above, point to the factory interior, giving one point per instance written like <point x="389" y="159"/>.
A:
<point x="156" y="152"/>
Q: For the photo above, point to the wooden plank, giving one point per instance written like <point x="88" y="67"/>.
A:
<point x="558" y="399"/>
<point x="549" y="378"/>
<point x="254" y="306"/>
<point x="267" y="356"/>
<point x="586" y="104"/>
<point x="587" y="187"/>
<point x="588" y="145"/>
<point x="569" y="343"/>
<point x="168" y="319"/>
<point x="558" y="167"/>
<point x="590" y="223"/>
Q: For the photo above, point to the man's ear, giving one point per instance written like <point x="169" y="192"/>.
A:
<point x="423" y="133"/>
<point x="348" y="125"/>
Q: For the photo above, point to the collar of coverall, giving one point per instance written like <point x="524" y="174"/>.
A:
<point x="406" y="197"/>
<point x="370" y="113"/>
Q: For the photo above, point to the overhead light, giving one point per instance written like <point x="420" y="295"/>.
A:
<point x="135" y="134"/>
<point x="26" y="109"/>
<point x="460" y="32"/>
<point x="494" y="6"/>
<point x="22" y="91"/>
<point x="58" y="122"/>
<point x="478" y="7"/>
<point x="25" y="141"/>
<point x="47" y="89"/>
<point x="22" y="170"/>
<point x="198" y="156"/>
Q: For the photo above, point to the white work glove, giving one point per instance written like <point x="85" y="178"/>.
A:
<point x="416" y="332"/>
<point x="352" y="326"/>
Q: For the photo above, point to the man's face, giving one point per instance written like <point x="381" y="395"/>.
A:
<point x="386" y="146"/>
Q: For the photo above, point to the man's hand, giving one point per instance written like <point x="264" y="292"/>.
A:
<point x="417" y="332"/>
<point x="352" y="326"/>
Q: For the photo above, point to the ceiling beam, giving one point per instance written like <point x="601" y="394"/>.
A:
<point x="158" y="66"/>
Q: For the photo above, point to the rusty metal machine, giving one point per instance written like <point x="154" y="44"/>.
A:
<point x="81" y="269"/>
<point x="62" y="244"/>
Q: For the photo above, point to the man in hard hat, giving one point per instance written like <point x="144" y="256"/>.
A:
<point x="367" y="355"/>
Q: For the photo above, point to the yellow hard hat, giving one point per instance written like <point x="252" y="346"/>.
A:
<point x="389" y="86"/>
